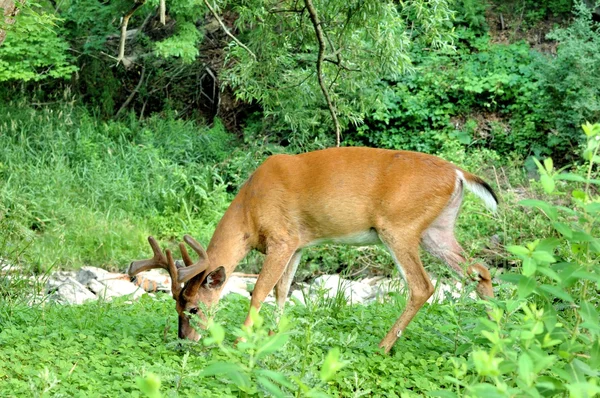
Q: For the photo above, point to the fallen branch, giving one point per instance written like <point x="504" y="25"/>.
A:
<point x="314" y="17"/>
<point x="124" y="22"/>
<point x="239" y="43"/>
<point x="130" y="98"/>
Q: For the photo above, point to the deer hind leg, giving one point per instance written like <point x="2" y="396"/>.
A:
<point x="278" y="258"/>
<point x="439" y="240"/>
<point x="282" y="288"/>
<point x="406" y="256"/>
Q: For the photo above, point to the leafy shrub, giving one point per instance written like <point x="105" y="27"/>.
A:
<point x="34" y="48"/>
<point x="544" y="339"/>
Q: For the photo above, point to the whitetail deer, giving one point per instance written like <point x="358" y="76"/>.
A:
<point x="358" y="196"/>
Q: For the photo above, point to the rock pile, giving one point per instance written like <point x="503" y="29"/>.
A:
<point x="92" y="283"/>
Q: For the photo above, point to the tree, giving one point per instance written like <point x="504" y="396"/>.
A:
<point x="10" y="12"/>
<point x="315" y="64"/>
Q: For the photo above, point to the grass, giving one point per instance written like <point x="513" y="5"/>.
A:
<point x="101" y="349"/>
<point x="75" y="191"/>
<point x="87" y="192"/>
<point x="90" y="192"/>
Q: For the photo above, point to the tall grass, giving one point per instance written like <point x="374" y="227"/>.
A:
<point x="89" y="192"/>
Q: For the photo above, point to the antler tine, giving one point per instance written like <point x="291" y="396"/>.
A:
<point x="158" y="261"/>
<point x="184" y="255"/>
<point x="192" y="269"/>
<point x="173" y="271"/>
<point x="196" y="246"/>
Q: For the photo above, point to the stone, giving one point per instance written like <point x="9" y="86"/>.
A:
<point x="88" y="273"/>
<point x="353" y="291"/>
<point x="237" y="284"/>
<point x="154" y="280"/>
<point x="65" y="289"/>
<point x="110" y="288"/>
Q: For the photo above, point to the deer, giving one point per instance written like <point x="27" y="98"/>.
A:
<point x="345" y="195"/>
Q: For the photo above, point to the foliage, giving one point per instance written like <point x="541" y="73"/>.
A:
<point x="572" y="79"/>
<point x="34" y="49"/>
<point x="367" y="40"/>
<point x="90" y="192"/>
<point x="119" y="348"/>
<point x="448" y="95"/>
<point x="544" y="338"/>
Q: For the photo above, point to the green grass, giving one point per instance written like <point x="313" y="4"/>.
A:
<point x="82" y="191"/>
<point x="89" y="192"/>
<point x="101" y="349"/>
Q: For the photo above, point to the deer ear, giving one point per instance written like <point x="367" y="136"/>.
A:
<point x="215" y="279"/>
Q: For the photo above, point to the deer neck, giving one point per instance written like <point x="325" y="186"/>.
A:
<point x="231" y="240"/>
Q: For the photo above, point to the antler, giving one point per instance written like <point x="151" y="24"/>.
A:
<point x="192" y="269"/>
<point x="159" y="261"/>
<point x="173" y="271"/>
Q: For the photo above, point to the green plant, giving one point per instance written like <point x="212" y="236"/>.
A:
<point x="544" y="339"/>
<point x="34" y="49"/>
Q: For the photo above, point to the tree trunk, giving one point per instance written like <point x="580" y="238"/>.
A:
<point x="10" y="12"/>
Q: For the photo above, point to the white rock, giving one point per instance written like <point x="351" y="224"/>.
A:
<point x="353" y="291"/>
<point x="110" y="288"/>
<point x="154" y="280"/>
<point x="88" y="273"/>
<point x="239" y="285"/>
<point x="298" y="295"/>
<point x="65" y="289"/>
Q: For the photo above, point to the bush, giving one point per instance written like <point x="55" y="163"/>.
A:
<point x="544" y="339"/>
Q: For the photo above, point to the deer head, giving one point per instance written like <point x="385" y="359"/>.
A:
<point x="191" y="283"/>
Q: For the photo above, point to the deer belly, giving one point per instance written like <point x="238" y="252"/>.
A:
<point x="363" y="238"/>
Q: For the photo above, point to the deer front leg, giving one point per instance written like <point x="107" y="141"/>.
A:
<point x="282" y="288"/>
<point x="406" y="256"/>
<point x="277" y="260"/>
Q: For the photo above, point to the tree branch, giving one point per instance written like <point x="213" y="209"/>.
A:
<point x="162" y="11"/>
<point x="214" y="13"/>
<point x="124" y="22"/>
<point x="314" y="17"/>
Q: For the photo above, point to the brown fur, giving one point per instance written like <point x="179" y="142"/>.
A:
<point x="291" y="201"/>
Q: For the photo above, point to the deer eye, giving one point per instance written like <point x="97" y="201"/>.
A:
<point x="193" y="310"/>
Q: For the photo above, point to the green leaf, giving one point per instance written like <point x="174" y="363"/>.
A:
<point x="549" y="272"/>
<point x="579" y="195"/>
<point x="529" y="266"/>
<point x="564" y="229"/>
<point x="570" y="177"/>
<point x="543" y="256"/>
<point x="595" y="355"/>
<point x="275" y="376"/>
<point x="525" y="287"/>
<point x="511" y="277"/>
<point x="270" y="386"/>
<point x="518" y="250"/>
<point x="557" y="292"/>
<point x="547" y="208"/>
<point x="547" y="183"/>
<point x="331" y="365"/>
<point x="217" y="334"/>
<point x="232" y="371"/>
<point x="548" y="164"/>
<point x="589" y="314"/>
<point x="272" y="344"/>
<point x="149" y="385"/>
<point x="526" y="369"/>
<point x="592" y="208"/>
